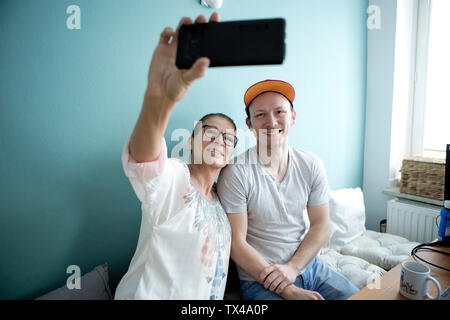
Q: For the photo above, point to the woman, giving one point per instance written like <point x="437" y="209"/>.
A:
<point x="184" y="242"/>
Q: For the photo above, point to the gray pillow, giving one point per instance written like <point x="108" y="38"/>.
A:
<point x="94" y="286"/>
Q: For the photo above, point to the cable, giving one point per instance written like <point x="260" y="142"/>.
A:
<point x="435" y="221"/>
<point x="431" y="244"/>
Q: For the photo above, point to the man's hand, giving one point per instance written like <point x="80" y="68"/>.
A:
<point x="165" y="80"/>
<point x="294" y="293"/>
<point x="277" y="277"/>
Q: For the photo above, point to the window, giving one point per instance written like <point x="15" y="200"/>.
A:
<point x="431" y="106"/>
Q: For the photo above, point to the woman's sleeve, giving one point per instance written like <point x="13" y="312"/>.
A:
<point x="142" y="175"/>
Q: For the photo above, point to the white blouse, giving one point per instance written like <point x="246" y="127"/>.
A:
<point x="184" y="240"/>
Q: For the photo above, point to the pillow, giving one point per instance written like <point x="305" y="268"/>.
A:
<point x="347" y="217"/>
<point x="94" y="286"/>
<point x="358" y="271"/>
<point x="382" y="249"/>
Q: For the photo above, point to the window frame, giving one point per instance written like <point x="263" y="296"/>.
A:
<point x="419" y="83"/>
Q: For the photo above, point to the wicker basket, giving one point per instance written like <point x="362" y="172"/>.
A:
<point x="423" y="177"/>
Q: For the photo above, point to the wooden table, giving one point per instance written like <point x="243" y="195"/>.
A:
<point x="387" y="287"/>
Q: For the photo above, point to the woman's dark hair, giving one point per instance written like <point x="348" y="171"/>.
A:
<point x="209" y="115"/>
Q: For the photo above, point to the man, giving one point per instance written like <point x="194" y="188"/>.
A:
<point x="265" y="193"/>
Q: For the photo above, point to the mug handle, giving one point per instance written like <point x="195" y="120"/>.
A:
<point x="438" y="286"/>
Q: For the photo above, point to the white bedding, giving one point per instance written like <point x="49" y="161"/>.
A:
<point x="355" y="269"/>
<point x="347" y="217"/>
<point x="360" y="255"/>
<point x="382" y="249"/>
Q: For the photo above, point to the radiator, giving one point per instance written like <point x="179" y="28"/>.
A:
<point x="413" y="220"/>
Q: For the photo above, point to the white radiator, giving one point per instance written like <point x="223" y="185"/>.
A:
<point x="413" y="220"/>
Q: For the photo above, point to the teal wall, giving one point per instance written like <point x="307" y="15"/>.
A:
<point x="70" y="98"/>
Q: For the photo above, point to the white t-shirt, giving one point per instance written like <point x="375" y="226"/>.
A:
<point x="276" y="211"/>
<point x="184" y="240"/>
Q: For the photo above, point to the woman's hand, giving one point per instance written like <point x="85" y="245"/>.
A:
<point x="166" y="86"/>
<point x="165" y="81"/>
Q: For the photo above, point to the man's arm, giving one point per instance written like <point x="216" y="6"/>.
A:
<point x="278" y="277"/>
<point x="254" y="263"/>
<point x="316" y="237"/>
<point x="242" y="253"/>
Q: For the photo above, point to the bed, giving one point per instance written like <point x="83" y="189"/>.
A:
<point x="360" y="255"/>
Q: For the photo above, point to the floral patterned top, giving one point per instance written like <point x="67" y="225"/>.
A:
<point x="184" y="241"/>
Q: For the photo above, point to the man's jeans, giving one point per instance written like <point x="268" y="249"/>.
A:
<point x="317" y="277"/>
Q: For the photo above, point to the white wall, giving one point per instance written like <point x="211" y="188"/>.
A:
<point x="379" y="97"/>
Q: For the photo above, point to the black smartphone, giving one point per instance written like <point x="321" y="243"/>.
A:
<point x="232" y="43"/>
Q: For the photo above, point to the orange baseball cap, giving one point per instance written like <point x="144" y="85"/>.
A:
<point x="278" y="86"/>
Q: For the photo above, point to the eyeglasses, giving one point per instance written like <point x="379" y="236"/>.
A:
<point x="212" y="133"/>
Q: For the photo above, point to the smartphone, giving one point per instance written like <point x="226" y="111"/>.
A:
<point x="232" y="43"/>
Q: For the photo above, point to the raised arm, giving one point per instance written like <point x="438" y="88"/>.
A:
<point x="165" y="87"/>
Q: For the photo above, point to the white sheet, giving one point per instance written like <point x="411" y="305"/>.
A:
<point x="356" y="270"/>
<point x="382" y="249"/>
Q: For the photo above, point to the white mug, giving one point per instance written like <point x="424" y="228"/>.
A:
<point x="414" y="281"/>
